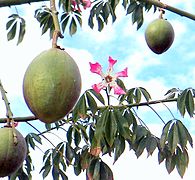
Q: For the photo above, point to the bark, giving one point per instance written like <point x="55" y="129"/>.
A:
<point x="4" y="3"/>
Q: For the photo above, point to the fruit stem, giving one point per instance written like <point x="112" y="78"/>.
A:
<point x="162" y="11"/>
<point x="9" y="114"/>
<point x="7" y="105"/>
<point x="57" y="32"/>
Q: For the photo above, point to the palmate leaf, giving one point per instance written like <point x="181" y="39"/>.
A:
<point x="16" y="22"/>
<point x="185" y="101"/>
<point x="71" y="21"/>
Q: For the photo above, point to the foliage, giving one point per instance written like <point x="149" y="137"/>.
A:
<point x="95" y="128"/>
<point x="71" y="18"/>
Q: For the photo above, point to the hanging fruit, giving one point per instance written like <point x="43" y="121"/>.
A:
<point x="13" y="150"/>
<point x="52" y="85"/>
<point x="159" y="35"/>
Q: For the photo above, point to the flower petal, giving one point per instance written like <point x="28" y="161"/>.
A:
<point x="118" y="90"/>
<point x="96" y="68"/>
<point x="111" y="63"/>
<point x="98" y="87"/>
<point x="122" y="73"/>
<point x="86" y="4"/>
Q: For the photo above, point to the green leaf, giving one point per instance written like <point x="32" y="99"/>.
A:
<point x="77" y="164"/>
<point x="119" y="147"/>
<point x="69" y="153"/>
<point x="140" y="132"/>
<point x="161" y="156"/>
<point x="164" y="135"/>
<point x="111" y="128"/>
<point x="170" y="163"/>
<point x="106" y="11"/>
<point x="21" y="31"/>
<point x="173" y="138"/>
<point x="10" y="23"/>
<point x="69" y="134"/>
<point x="98" y="96"/>
<point x="91" y="103"/>
<point x="188" y="136"/>
<point x="72" y="27"/>
<point x="63" y="175"/>
<point x="131" y="7"/>
<point x="181" y="102"/>
<point x="77" y="137"/>
<point x="55" y="172"/>
<point x="137" y="96"/>
<point x="151" y="145"/>
<point x="122" y="125"/>
<point x="137" y="13"/>
<point x="182" y="134"/>
<point x="36" y="137"/>
<point x="46" y="171"/>
<point x="145" y="93"/>
<point x="141" y="147"/>
<point x="100" y="24"/>
<point x="189" y="103"/>
<point x="105" y="172"/>
<point x="80" y="110"/>
<point x="182" y="160"/>
<point x="96" y="172"/>
<point x="64" y="21"/>
<point x="12" y="32"/>
<point x="101" y="125"/>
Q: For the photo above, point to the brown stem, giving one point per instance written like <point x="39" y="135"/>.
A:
<point x="57" y="32"/>
<point x="4" y="3"/>
<point x="170" y="8"/>
<point x="9" y="113"/>
<point x="31" y="118"/>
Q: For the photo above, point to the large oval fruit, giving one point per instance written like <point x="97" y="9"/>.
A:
<point x="159" y="35"/>
<point x="12" y="154"/>
<point x="52" y="85"/>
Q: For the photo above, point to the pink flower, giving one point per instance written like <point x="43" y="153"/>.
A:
<point x="109" y="78"/>
<point x="76" y="4"/>
<point x="86" y="4"/>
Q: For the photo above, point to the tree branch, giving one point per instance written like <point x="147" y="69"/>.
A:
<point x="4" y="3"/>
<point x="31" y="118"/>
<point x="169" y="8"/>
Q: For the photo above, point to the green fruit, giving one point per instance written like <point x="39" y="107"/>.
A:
<point x="159" y="35"/>
<point x="52" y="85"/>
<point x="12" y="153"/>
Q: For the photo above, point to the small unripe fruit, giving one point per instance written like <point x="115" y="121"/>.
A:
<point x="13" y="151"/>
<point x="159" y="35"/>
<point x="52" y="85"/>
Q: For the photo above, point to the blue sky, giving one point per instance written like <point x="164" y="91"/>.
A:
<point x="157" y="73"/>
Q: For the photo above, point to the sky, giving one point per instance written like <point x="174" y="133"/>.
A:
<point x="121" y="41"/>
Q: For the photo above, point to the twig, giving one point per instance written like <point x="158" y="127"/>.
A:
<point x="9" y="114"/>
<point x="31" y="118"/>
<point x="41" y="134"/>
<point x="170" y="8"/>
<point x="57" y="32"/>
